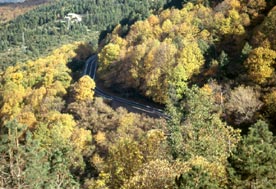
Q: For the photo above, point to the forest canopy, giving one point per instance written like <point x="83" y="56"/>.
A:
<point x="40" y="30"/>
<point x="210" y="64"/>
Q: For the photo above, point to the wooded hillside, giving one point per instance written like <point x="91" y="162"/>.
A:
<point x="41" y="30"/>
<point x="210" y="64"/>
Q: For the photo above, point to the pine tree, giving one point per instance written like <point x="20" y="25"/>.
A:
<point x="253" y="164"/>
<point x="36" y="173"/>
<point x="204" y="132"/>
<point x="196" y="178"/>
<point x="12" y="156"/>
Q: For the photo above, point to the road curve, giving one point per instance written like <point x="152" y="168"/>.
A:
<point x="90" y="70"/>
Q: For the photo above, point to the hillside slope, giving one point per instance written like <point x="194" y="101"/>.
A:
<point x="212" y="65"/>
<point x="40" y="30"/>
<point x="11" y="11"/>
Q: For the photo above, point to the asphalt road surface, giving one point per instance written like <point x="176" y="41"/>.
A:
<point x="91" y="69"/>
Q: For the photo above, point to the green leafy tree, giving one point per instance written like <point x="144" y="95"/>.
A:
<point x="204" y="132"/>
<point x="245" y="51"/>
<point x="60" y="157"/>
<point x="24" y="164"/>
<point x="197" y="177"/>
<point x="253" y="163"/>
<point x="202" y="138"/>
<point x="37" y="167"/>
<point x="174" y="111"/>
<point x="189" y="63"/>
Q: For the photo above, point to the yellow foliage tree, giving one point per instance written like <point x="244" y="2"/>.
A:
<point x="155" y="174"/>
<point x="81" y="139"/>
<point x="167" y="26"/>
<point x="27" y="118"/>
<point x="27" y="87"/>
<point x="270" y="103"/>
<point x="191" y="59"/>
<point x="189" y="63"/>
<point x="159" y="52"/>
<point x="124" y="160"/>
<point x="109" y="54"/>
<point x="260" y="64"/>
<point x="230" y="24"/>
<point x="84" y="89"/>
<point x="12" y="100"/>
<point x="61" y="125"/>
<point x="153" y="20"/>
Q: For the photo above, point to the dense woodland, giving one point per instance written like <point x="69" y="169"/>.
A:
<point x="210" y="63"/>
<point x="38" y="31"/>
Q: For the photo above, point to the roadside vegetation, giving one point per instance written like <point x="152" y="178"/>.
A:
<point x="210" y="63"/>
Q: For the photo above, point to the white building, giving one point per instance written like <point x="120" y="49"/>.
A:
<point x="72" y="17"/>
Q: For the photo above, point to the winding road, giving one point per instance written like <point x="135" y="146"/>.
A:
<point x="91" y="69"/>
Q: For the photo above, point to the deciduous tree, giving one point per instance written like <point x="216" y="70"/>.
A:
<point x="260" y="64"/>
<point x="83" y="89"/>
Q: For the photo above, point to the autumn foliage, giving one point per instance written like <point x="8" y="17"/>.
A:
<point x="210" y="66"/>
<point x="163" y="53"/>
